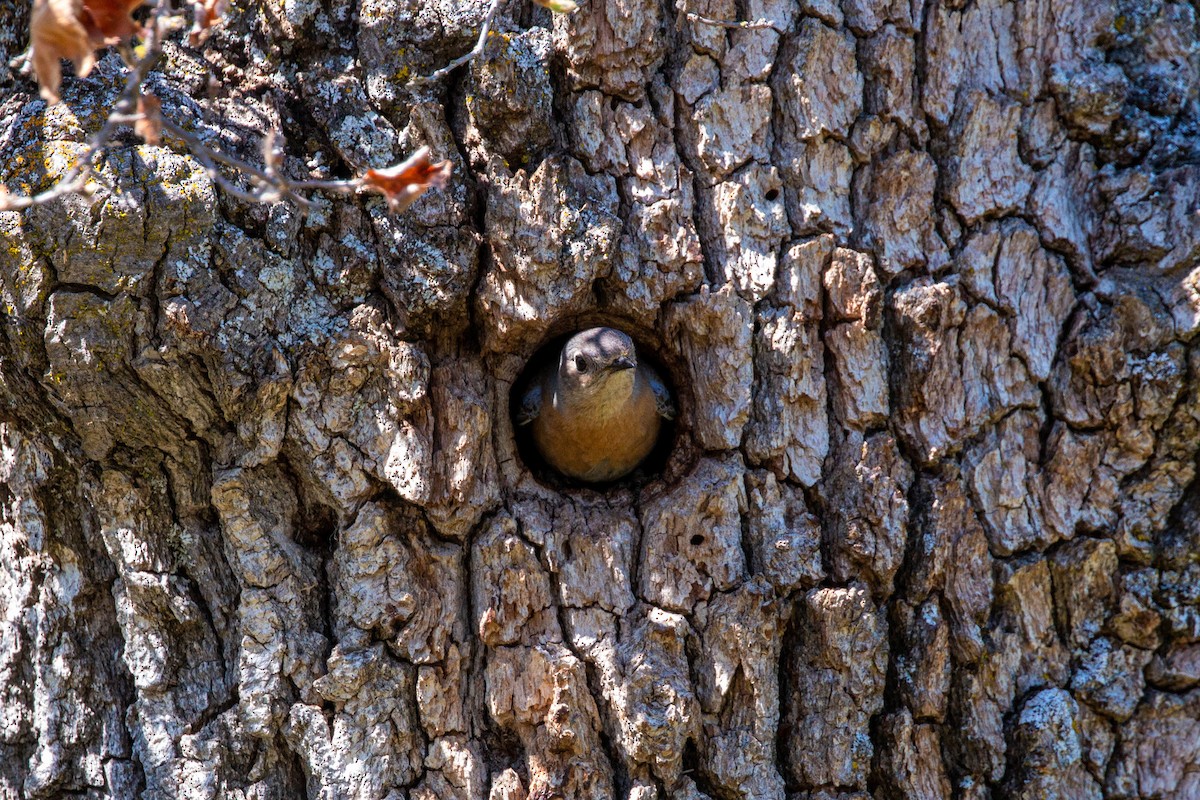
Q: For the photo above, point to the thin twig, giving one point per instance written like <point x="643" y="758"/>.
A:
<point x="277" y="185"/>
<point x="209" y="158"/>
<point x="192" y="140"/>
<point x="343" y="187"/>
<point x="473" y="54"/>
<point x="205" y="156"/>
<point x="758" y="24"/>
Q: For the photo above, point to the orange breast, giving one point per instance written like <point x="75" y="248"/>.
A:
<point x="593" y="448"/>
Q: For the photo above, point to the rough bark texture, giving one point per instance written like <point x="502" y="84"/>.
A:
<point x="922" y="273"/>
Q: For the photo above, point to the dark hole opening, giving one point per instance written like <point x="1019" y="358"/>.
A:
<point x="697" y="540"/>
<point x="771" y="194"/>
<point x="547" y="357"/>
<point x="316" y="528"/>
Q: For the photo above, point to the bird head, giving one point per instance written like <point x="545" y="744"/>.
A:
<point x="597" y="358"/>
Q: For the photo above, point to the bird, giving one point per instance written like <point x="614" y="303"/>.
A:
<point x="596" y="413"/>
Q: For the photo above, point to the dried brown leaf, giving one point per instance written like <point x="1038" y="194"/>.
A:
<point x="204" y="15"/>
<point x="56" y="31"/>
<point x="408" y="180"/>
<point x="149" y="127"/>
<point x="272" y="151"/>
<point x="74" y="29"/>
<point x="108" y="21"/>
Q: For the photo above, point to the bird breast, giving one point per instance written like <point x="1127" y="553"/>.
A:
<point x="601" y="433"/>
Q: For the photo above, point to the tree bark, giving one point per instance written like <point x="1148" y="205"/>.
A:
<point x="923" y="276"/>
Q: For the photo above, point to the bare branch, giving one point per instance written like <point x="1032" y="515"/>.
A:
<point x="484" y="28"/>
<point x="760" y="24"/>
<point x="270" y="183"/>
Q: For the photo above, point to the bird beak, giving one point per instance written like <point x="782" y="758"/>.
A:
<point x="622" y="362"/>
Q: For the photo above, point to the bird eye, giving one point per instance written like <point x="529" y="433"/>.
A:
<point x="581" y="363"/>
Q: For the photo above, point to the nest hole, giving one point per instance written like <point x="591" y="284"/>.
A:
<point x="669" y="451"/>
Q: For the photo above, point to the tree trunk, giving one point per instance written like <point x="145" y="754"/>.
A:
<point x="923" y="277"/>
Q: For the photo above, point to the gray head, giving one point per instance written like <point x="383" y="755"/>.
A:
<point x="592" y="358"/>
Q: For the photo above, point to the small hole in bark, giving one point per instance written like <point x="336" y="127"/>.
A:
<point x="697" y="540"/>
<point x="654" y="466"/>
<point x="772" y="194"/>
<point x="316" y="527"/>
<point x="315" y="524"/>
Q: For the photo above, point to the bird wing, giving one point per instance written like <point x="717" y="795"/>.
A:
<point x="662" y="398"/>
<point x="531" y="404"/>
